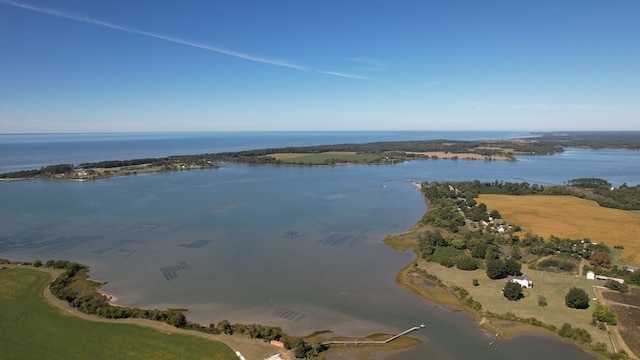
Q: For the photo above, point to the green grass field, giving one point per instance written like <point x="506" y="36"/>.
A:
<point x="32" y="329"/>
<point x="322" y="158"/>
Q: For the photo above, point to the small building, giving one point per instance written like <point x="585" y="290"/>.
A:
<point x="523" y="281"/>
<point x="277" y="343"/>
<point x="591" y="275"/>
<point x="601" y="277"/>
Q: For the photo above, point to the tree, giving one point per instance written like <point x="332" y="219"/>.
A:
<point x="495" y="269"/>
<point x="512" y="291"/>
<point x="577" y="298"/>
<point x="512" y="267"/>
<point x="600" y="258"/>
<point x="36" y="263"/>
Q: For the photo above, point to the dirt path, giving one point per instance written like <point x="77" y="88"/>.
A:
<point x="249" y="348"/>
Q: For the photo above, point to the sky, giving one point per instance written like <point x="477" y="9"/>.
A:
<point x="306" y="65"/>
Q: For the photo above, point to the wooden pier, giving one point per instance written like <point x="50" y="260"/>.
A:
<point x="371" y="342"/>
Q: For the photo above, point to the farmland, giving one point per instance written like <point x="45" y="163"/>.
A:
<point x="627" y="310"/>
<point x="329" y="157"/>
<point x="571" y="217"/>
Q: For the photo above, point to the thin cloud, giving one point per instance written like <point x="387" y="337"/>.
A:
<point x="544" y="106"/>
<point x="369" y="63"/>
<point x="344" y="75"/>
<point x="216" y="49"/>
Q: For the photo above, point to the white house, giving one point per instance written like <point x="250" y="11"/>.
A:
<point x="591" y="275"/>
<point x="523" y="281"/>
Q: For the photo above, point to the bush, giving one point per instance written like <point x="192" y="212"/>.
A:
<point x="575" y="333"/>
<point x="542" y="301"/>
<point x="467" y="263"/>
<point x="614" y="285"/>
<point x="475" y="282"/>
<point x="447" y="262"/>
<point x="577" y="298"/>
<point x="604" y="314"/>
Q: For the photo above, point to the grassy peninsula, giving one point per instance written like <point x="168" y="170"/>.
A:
<point x="468" y="250"/>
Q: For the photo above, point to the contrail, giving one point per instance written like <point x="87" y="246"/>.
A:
<point x="216" y="49"/>
<point x="344" y="75"/>
<point x="88" y="20"/>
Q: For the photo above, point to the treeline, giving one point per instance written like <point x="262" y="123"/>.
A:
<point x="90" y="302"/>
<point x="594" y="139"/>
<point x="120" y="163"/>
<point x="300" y="347"/>
<point x="51" y="170"/>
<point x="624" y="197"/>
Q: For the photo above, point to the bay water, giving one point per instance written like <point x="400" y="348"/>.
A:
<point x="296" y="247"/>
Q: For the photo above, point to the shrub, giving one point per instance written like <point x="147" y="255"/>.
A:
<point x="604" y="314"/>
<point x="466" y="263"/>
<point x="614" y="285"/>
<point x="447" y="262"/>
<point x="542" y="301"/>
<point x="475" y="282"/>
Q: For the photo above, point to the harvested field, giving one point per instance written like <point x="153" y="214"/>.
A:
<point x="461" y="156"/>
<point x="632" y="298"/>
<point x="629" y="326"/>
<point x="571" y="217"/>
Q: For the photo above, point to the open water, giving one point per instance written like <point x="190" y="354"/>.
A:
<point x="295" y="247"/>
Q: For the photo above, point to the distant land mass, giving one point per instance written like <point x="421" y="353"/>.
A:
<point x="329" y="155"/>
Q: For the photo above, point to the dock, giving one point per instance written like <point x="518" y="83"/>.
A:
<point x="371" y="342"/>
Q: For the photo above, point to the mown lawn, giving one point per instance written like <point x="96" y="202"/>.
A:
<point x="552" y="286"/>
<point x="571" y="217"/>
<point x="32" y="329"/>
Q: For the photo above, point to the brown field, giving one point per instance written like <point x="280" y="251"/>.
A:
<point x="571" y="217"/>
<point x="461" y="156"/>
<point x="627" y="310"/>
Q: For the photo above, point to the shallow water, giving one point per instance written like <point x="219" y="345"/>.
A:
<point x="295" y="247"/>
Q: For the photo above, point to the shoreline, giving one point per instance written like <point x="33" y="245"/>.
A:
<point x="492" y="327"/>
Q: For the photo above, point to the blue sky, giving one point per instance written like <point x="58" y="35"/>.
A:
<point x="149" y="65"/>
